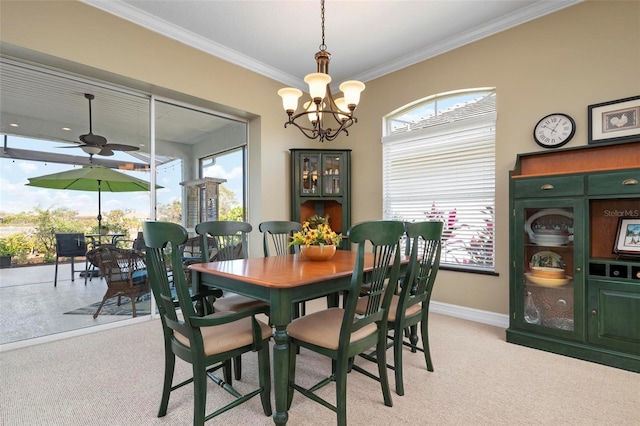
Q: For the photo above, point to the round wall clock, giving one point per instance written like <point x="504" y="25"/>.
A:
<point x="554" y="130"/>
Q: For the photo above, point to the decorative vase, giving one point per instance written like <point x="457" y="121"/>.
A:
<point x="317" y="253"/>
<point x="531" y="311"/>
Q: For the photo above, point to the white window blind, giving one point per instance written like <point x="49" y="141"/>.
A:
<point x="446" y="172"/>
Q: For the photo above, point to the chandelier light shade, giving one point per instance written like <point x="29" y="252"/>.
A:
<point x="328" y="117"/>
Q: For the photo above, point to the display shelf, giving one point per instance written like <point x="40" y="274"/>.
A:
<point x="566" y="207"/>
<point x="320" y="185"/>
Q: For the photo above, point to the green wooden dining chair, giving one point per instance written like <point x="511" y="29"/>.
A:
<point x="207" y="343"/>
<point x="411" y="306"/>
<point x="230" y="242"/>
<point x="276" y="236"/>
<point x="340" y="333"/>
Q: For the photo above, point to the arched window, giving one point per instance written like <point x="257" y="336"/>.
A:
<point x="439" y="164"/>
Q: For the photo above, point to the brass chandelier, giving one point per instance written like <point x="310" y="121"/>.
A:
<point x="328" y="117"/>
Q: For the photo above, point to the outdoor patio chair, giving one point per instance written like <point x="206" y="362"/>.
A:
<point x="70" y="245"/>
<point x="124" y="271"/>
<point x="207" y="343"/>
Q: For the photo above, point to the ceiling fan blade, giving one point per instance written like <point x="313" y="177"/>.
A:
<point x="106" y="152"/>
<point x="120" y="147"/>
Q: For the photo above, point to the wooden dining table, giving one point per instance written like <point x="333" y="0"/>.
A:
<point x="281" y="281"/>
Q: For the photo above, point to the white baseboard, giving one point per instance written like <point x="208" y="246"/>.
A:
<point x="477" y="315"/>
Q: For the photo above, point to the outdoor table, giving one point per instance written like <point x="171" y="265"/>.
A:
<point x="281" y="281"/>
<point x="97" y="239"/>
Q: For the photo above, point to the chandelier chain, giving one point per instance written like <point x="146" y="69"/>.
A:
<point x="323" y="46"/>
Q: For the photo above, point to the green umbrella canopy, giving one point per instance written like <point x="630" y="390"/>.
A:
<point x="92" y="178"/>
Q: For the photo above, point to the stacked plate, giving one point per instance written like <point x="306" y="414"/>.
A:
<point x="547" y="270"/>
<point x="550" y="227"/>
<point x="552" y="240"/>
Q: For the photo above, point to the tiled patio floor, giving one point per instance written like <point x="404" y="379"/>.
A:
<point x="31" y="307"/>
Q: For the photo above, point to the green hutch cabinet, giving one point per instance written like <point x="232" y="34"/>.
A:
<point x="321" y="185"/>
<point x="574" y="275"/>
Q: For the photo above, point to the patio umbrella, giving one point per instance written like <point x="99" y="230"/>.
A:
<point x="92" y="178"/>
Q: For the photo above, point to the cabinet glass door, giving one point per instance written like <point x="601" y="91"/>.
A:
<point x="331" y="174"/>
<point x="546" y="267"/>
<point x="309" y="170"/>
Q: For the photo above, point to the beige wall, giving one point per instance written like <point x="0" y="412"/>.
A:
<point x="582" y="55"/>
<point x="585" y="54"/>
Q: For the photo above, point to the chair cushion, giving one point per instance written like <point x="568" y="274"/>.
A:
<point x="323" y="328"/>
<point x="236" y="303"/>
<point x="362" y="306"/>
<point x="226" y="337"/>
<point x="139" y="277"/>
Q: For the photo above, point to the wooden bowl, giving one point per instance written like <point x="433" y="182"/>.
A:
<point x="317" y="253"/>
<point x="546" y="272"/>
<point x="547" y="282"/>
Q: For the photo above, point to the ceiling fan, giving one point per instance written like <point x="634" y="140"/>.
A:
<point x="96" y="144"/>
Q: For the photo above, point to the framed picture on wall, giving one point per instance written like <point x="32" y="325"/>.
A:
<point x="628" y="236"/>
<point x="615" y="121"/>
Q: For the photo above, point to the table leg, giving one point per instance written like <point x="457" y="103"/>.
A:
<point x="280" y="317"/>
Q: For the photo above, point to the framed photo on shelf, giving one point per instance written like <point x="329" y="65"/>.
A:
<point x="628" y="237"/>
<point x="615" y="121"/>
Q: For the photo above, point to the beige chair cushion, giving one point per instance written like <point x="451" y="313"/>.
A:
<point x="236" y="303"/>
<point x="323" y="328"/>
<point x="225" y="337"/>
<point x="362" y="306"/>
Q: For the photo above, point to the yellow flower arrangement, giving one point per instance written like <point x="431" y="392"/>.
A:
<point x="318" y="236"/>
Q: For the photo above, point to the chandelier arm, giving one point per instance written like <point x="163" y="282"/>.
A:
<point x="335" y="135"/>
<point x="320" y="109"/>
<point x="311" y="133"/>
<point x="343" y="128"/>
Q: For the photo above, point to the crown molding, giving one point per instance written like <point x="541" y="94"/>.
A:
<point x="150" y="22"/>
<point x="520" y="17"/>
<point x="174" y="32"/>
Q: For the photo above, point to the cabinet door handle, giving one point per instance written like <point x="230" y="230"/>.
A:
<point x="630" y="182"/>
<point x="546" y="187"/>
<point x="594" y="312"/>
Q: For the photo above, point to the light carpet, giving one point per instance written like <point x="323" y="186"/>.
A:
<point x="114" y="377"/>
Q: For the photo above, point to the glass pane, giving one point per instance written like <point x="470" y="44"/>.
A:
<point x="230" y="167"/>
<point x="309" y="169"/>
<point x="548" y="256"/>
<point x="331" y="174"/>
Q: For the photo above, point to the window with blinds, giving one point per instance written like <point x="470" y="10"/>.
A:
<point x="439" y="164"/>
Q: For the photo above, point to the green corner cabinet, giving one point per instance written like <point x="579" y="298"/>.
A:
<point x="321" y="185"/>
<point x="577" y="209"/>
